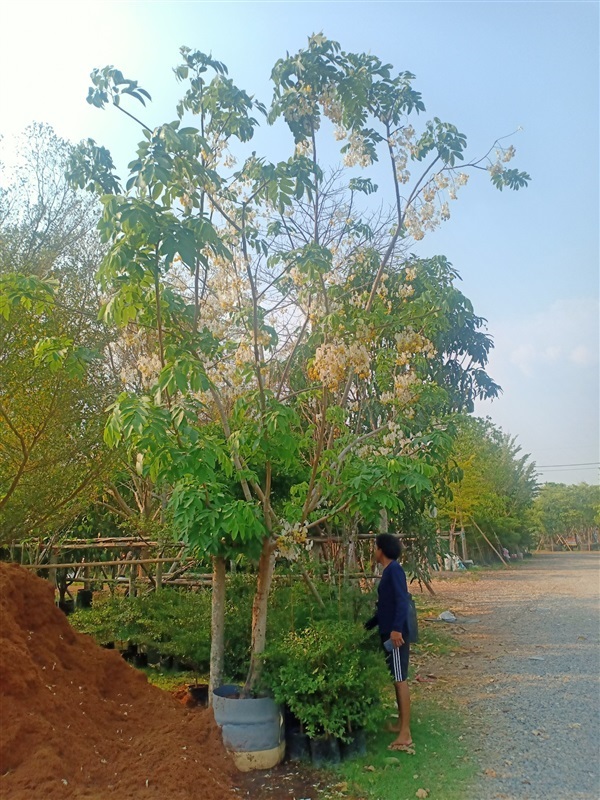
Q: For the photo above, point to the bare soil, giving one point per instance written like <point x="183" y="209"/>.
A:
<point x="78" y="723"/>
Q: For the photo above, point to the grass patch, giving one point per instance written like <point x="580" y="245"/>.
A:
<point x="441" y="764"/>
<point x="435" y="639"/>
<point x="169" y="681"/>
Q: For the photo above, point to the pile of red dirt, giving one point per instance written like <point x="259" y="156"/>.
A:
<point x="78" y="723"/>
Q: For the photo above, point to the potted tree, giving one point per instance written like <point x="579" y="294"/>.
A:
<point x="298" y="370"/>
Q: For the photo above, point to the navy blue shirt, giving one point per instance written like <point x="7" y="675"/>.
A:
<point x="392" y="602"/>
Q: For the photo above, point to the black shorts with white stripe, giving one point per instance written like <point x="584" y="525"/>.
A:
<point x="397" y="660"/>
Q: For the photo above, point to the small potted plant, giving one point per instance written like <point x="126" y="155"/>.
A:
<point x="330" y="679"/>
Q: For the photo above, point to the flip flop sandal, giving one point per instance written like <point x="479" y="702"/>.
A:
<point x="403" y="748"/>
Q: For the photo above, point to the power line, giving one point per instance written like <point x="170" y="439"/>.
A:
<point x="568" y="469"/>
<point x="584" y="464"/>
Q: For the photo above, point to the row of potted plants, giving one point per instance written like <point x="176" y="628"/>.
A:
<point x="319" y="664"/>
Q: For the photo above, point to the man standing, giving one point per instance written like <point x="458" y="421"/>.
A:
<point x="392" y="620"/>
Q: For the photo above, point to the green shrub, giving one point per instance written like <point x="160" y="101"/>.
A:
<point x="176" y="623"/>
<point x="100" y="621"/>
<point x="330" y="677"/>
<point x="292" y="607"/>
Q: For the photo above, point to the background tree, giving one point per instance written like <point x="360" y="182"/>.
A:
<point x="53" y="388"/>
<point x="567" y="512"/>
<point x="493" y="493"/>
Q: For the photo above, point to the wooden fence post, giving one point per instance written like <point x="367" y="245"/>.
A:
<point x="52" y="572"/>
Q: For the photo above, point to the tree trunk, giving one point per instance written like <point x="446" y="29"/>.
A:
<point x="350" y="550"/>
<point x="312" y="588"/>
<point x="463" y="542"/>
<point x="217" y="626"/>
<point x="259" y="614"/>
<point x="383" y="521"/>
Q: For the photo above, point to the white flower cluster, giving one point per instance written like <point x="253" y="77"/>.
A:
<point x="333" y="361"/>
<point x="394" y="441"/>
<point x="411" y="343"/>
<point x="135" y="357"/>
<point x="506" y="154"/>
<point x="394" y="438"/>
<point x="406" y="290"/>
<point x="301" y="105"/>
<point x="332" y="107"/>
<point x="403" y="386"/>
<point x="357" y="153"/>
<point x="293" y="540"/>
<point x="425" y="214"/>
<point x="148" y="367"/>
<point x="503" y="156"/>
<point x="297" y="276"/>
<point x="335" y="277"/>
<point x="304" y="148"/>
<point x="402" y="147"/>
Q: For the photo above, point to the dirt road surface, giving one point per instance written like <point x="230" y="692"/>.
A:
<point x="527" y="675"/>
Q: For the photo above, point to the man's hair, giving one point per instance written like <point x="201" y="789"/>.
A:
<point x="389" y="545"/>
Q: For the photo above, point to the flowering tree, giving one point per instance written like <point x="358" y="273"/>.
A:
<point x="299" y="369"/>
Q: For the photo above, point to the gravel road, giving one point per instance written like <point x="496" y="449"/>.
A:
<point x="527" y="674"/>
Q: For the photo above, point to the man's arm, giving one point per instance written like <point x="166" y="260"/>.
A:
<point x="400" y="591"/>
<point x="372" y="623"/>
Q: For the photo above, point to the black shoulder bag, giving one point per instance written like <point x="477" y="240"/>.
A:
<point x="413" y="622"/>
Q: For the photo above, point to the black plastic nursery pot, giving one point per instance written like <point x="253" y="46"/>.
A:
<point x="84" y="598"/>
<point x="130" y="652"/>
<point x="67" y="606"/>
<point x="140" y="659"/>
<point x="325" y="750"/>
<point x="356" y="747"/>
<point x="199" y="692"/>
<point x="292" y="723"/>
<point x="297" y="745"/>
<point x="153" y="655"/>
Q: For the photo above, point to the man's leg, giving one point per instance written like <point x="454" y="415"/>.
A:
<point x="400" y="659"/>
<point x="404" y="738"/>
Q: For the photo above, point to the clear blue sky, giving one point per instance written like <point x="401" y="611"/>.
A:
<point x="529" y="261"/>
